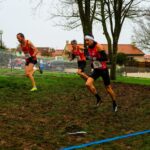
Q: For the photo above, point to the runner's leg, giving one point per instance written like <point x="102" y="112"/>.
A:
<point x="82" y="74"/>
<point x="92" y="89"/>
<point x="113" y="96"/>
<point x="106" y="80"/>
<point x="29" y="73"/>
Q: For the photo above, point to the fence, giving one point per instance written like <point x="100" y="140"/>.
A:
<point x="10" y="60"/>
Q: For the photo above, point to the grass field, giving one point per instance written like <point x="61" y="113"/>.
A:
<point x="42" y="120"/>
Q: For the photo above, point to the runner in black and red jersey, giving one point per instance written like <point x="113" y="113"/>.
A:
<point x="98" y="59"/>
<point x="30" y="52"/>
<point x="78" y="52"/>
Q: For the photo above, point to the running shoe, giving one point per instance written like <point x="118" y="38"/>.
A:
<point x="33" y="89"/>
<point x="98" y="102"/>
<point x="115" y="107"/>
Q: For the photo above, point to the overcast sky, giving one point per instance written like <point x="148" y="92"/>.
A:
<point x="18" y="16"/>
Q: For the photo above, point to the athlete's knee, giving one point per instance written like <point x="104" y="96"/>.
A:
<point x="79" y="72"/>
<point x="88" y="84"/>
<point x="28" y="74"/>
<point x="107" y="87"/>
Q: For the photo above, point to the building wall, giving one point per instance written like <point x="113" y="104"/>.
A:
<point x="139" y="58"/>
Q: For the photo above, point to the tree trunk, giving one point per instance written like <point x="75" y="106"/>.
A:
<point x="87" y="30"/>
<point x="114" y="60"/>
<point x="113" y="69"/>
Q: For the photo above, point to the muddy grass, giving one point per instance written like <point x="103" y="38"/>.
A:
<point x="43" y="119"/>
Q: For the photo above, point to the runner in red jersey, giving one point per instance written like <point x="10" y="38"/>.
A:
<point x="98" y="59"/>
<point x="30" y="52"/>
<point x="78" y="52"/>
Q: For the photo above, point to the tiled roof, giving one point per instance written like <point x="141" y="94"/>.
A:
<point x="43" y="48"/>
<point x="49" y="51"/>
<point x="57" y="53"/>
<point x="128" y="49"/>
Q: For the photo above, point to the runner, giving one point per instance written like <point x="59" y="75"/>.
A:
<point x="78" y="52"/>
<point x="98" y="59"/>
<point x="30" y="52"/>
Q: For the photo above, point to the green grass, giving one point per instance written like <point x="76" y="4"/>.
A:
<point x="134" y="80"/>
<point x="42" y="119"/>
<point x="120" y="79"/>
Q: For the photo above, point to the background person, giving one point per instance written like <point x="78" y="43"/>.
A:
<point x="78" y="52"/>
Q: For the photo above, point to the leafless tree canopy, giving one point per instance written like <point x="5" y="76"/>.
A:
<point x="71" y="13"/>
<point x="141" y="35"/>
<point x="112" y="14"/>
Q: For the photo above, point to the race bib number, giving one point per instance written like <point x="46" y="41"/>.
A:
<point x="27" y="55"/>
<point x="96" y="64"/>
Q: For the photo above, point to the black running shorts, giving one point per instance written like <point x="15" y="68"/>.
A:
<point x="30" y="61"/>
<point x="103" y="73"/>
<point x="81" y="65"/>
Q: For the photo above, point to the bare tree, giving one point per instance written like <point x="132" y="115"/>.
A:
<point x="73" y="13"/>
<point x="78" y="13"/>
<point x="141" y="35"/>
<point x="113" y="14"/>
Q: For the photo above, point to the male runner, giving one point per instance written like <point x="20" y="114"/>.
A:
<point x="30" y="52"/>
<point x="98" y="59"/>
<point x="78" y="52"/>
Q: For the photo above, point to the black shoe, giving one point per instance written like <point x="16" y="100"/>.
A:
<point x="98" y="99"/>
<point x="115" y="107"/>
<point x="98" y="102"/>
<point x="40" y="70"/>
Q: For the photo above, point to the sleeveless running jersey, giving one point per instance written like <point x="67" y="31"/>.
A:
<point x="95" y="55"/>
<point x="28" y="51"/>
<point x="79" y="54"/>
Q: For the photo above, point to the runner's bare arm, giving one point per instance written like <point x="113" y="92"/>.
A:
<point x="100" y="47"/>
<point x="34" y="49"/>
<point x="102" y="52"/>
<point x="81" y="48"/>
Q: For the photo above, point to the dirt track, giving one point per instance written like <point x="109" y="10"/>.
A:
<point x="42" y="120"/>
